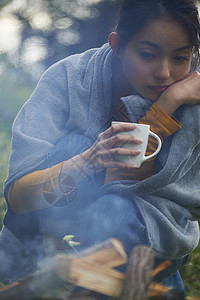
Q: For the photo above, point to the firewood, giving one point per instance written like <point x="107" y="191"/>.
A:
<point x="172" y="294"/>
<point x="98" y="277"/>
<point x="110" y="253"/>
<point x="138" y="274"/>
<point x="93" y="271"/>
<point x="83" y="294"/>
<point x="160" y="268"/>
<point x="81" y="270"/>
<point x="90" y="276"/>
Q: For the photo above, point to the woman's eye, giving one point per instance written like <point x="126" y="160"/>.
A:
<point x="147" y="55"/>
<point x="181" y="58"/>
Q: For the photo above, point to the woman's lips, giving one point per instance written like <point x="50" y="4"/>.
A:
<point x="158" y="89"/>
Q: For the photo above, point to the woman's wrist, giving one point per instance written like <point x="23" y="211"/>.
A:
<point x="168" y="104"/>
<point x="77" y="167"/>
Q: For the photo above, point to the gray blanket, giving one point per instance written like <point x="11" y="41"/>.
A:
<point x="169" y="200"/>
<point x="75" y="95"/>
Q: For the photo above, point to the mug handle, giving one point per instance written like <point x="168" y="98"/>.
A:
<point x="158" y="148"/>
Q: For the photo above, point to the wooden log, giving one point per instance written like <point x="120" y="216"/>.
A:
<point x="160" y="268"/>
<point x="138" y="274"/>
<point x="156" y="289"/>
<point x="172" y="294"/>
<point x="92" y="270"/>
<point x="82" y="294"/>
<point x="90" y="276"/>
<point x="110" y="253"/>
<point x="100" y="279"/>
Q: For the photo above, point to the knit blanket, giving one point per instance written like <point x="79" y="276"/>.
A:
<point x="74" y="96"/>
<point x="169" y="200"/>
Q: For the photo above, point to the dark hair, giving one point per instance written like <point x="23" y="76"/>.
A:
<point x="135" y="14"/>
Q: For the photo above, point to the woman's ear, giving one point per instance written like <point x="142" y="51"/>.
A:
<point x="114" y="41"/>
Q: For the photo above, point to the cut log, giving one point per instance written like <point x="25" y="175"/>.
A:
<point x="90" y="276"/>
<point x="93" y="271"/>
<point x="81" y="270"/>
<point x="156" y="289"/>
<point x="109" y="253"/>
<point x="138" y="274"/>
<point x="82" y="294"/>
<point x="108" y="281"/>
<point x="161" y="267"/>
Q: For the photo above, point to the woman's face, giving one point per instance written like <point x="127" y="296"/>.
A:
<point x="156" y="57"/>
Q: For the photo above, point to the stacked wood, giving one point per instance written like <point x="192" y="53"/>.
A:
<point x="93" y="271"/>
<point x="138" y="274"/>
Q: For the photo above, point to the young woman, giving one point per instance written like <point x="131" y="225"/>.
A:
<point x="63" y="175"/>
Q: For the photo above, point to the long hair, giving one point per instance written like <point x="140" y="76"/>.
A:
<point x="135" y="14"/>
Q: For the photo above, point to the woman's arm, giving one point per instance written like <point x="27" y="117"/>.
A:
<point x="101" y="154"/>
<point x="185" y="91"/>
<point x="40" y="189"/>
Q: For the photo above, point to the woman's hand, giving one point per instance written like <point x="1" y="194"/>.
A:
<point x="185" y="91"/>
<point x="102" y="154"/>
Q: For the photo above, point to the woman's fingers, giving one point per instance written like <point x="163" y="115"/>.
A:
<point x="185" y="91"/>
<point x="108" y="159"/>
<point x="122" y="139"/>
<point x="112" y="143"/>
<point x="116" y="145"/>
<point x="116" y="128"/>
<point x="117" y="164"/>
<point x="112" y="153"/>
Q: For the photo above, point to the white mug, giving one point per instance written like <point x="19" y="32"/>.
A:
<point x="142" y="131"/>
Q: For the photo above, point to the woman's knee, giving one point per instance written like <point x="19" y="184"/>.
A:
<point x="118" y="217"/>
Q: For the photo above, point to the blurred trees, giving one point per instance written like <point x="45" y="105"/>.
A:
<point x="47" y="30"/>
<point x="36" y="34"/>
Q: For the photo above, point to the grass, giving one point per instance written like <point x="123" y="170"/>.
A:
<point x="190" y="273"/>
<point x="4" y="156"/>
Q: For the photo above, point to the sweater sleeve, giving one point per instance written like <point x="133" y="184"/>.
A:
<point x="161" y="124"/>
<point x="41" y="188"/>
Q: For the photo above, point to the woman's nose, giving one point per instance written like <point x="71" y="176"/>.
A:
<point x="162" y="71"/>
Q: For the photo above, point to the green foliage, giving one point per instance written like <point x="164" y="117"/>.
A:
<point x="4" y="155"/>
<point x="49" y="30"/>
<point x="14" y="91"/>
<point x="190" y="273"/>
<point x="2" y="210"/>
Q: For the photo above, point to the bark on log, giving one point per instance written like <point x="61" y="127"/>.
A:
<point x="90" y="269"/>
<point x="93" y="271"/>
<point x="138" y="274"/>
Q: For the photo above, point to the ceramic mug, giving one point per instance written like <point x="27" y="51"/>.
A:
<point x="142" y="131"/>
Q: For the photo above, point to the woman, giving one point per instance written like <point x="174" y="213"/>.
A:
<point x="63" y="143"/>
